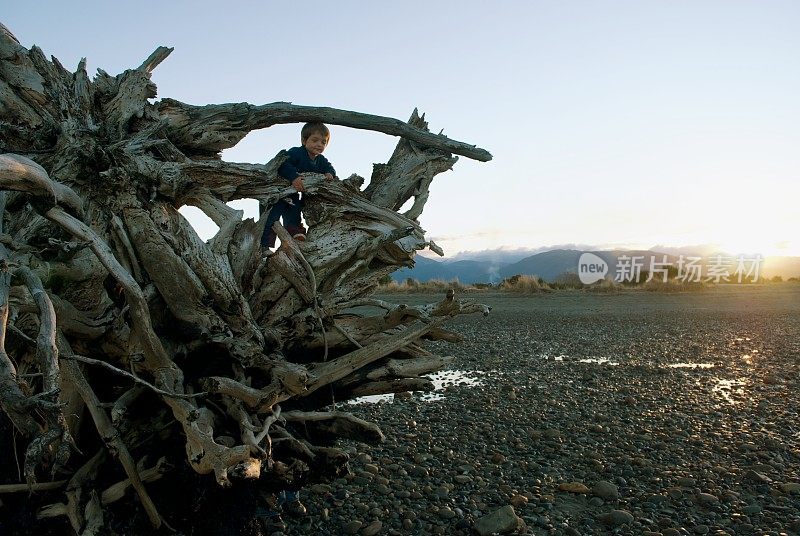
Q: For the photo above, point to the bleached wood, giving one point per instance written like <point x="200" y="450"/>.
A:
<point x="12" y="399"/>
<point x="326" y="373"/>
<point x="337" y="423"/>
<point x="112" y="437"/>
<point x="93" y="514"/>
<point x="97" y="174"/>
<point x="408" y="173"/>
<point x="219" y="126"/>
<point x="24" y="175"/>
<point x="403" y="368"/>
<point x="32" y="488"/>
<point x="46" y="349"/>
<point x="111" y="494"/>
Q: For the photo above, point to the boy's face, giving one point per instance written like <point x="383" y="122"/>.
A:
<point x="315" y="144"/>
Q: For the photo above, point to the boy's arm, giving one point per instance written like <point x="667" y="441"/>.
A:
<point x="288" y="170"/>
<point x="327" y="167"/>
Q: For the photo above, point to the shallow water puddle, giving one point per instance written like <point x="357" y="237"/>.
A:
<point x="372" y="399"/>
<point x="598" y="361"/>
<point x="448" y="378"/>
<point x="728" y="388"/>
<point x="441" y="381"/>
<point x="590" y="360"/>
<point x="451" y="378"/>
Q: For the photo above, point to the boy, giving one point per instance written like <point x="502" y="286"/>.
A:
<point x="307" y="158"/>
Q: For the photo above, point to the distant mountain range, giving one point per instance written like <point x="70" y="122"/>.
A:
<point x="489" y="267"/>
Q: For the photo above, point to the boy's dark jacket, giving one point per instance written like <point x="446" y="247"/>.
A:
<point x="299" y="162"/>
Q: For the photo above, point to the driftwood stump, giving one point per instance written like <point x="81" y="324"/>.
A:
<point x="130" y="348"/>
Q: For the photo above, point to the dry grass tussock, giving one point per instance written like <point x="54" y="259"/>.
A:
<point x="604" y="286"/>
<point x="672" y="285"/>
<point x="532" y="284"/>
<point x="432" y="286"/>
<point x="525" y="284"/>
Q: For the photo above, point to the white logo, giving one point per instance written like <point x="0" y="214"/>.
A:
<point x="591" y="268"/>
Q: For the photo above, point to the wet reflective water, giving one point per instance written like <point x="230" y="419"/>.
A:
<point x="372" y="399"/>
<point x="450" y="378"/>
<point x="441" y="381"/>
<point x="730" y="390"/>
<point x="598" y="361"/>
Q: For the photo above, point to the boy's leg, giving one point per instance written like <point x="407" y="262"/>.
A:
<point x="268" y="236"/>
<point x="292" y="217"/>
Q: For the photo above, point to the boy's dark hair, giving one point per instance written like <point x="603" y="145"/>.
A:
<point x="314" y="128"/>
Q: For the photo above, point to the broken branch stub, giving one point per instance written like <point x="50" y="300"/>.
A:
<point x="112" y="307"/>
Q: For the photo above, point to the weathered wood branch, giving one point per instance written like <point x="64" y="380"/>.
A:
<point x="113" y="493"/>
<point x="338" y="423"/>
<point x="46" y="350"/>
<point x="256" y="399"/>
<point x="55" y="435"/>
<point x="408" y="368"/>
<point x="408" y="173"/>
<point x="82" y="478"/>
<point x="32" y="488"/>
<point x="12" y="399"/>
<point x="112" y="439"/>
<point x="163" y="368"/>
<point x="24" y="175"/>
<point x="326" y="373"/>
<point x="219" y="126"/>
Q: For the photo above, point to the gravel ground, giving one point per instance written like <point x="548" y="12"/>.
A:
<point x="630" y="413"/>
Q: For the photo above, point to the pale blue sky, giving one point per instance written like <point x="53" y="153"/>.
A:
<point x="611" y="123"/>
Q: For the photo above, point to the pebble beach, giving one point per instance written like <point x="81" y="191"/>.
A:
<point x="576" y="413"/>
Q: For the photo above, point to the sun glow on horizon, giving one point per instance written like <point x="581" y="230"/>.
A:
<point x="735" y="246"/>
